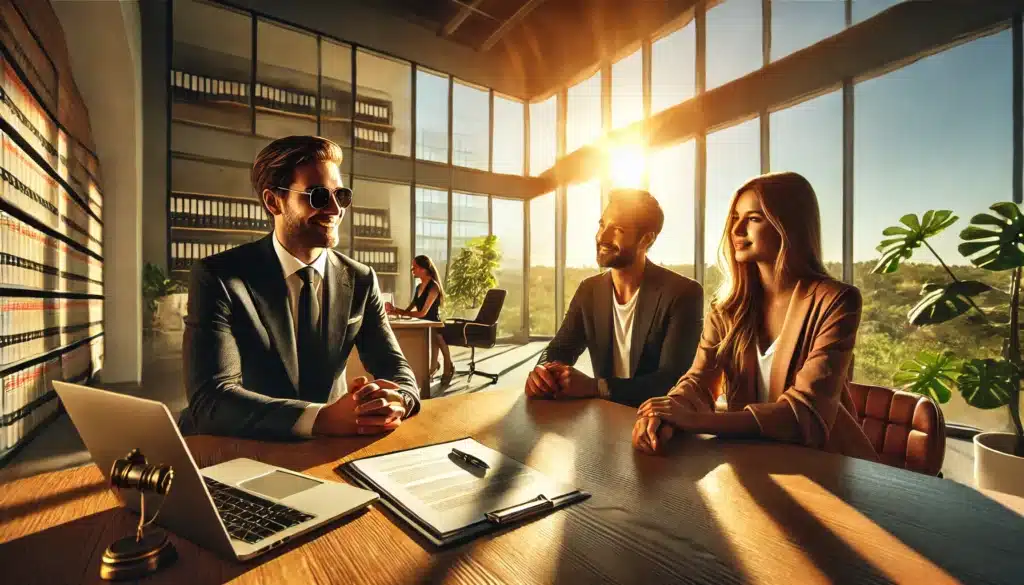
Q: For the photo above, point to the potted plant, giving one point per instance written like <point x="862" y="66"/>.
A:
<point x="471" y="275"/>
<point x="163" y="299"/>
<point x="992" y="241"/>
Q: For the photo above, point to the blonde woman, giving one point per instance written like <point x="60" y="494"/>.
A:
<point x="778" y="341"/>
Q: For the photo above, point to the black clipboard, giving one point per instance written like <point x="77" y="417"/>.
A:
<point x="494" y="520"/>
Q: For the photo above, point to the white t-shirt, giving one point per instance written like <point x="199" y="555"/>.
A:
<point x="622" y="323"/>
<point x="764" y="366"/>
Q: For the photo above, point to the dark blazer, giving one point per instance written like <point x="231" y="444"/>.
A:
<point x="666" y="330"/>
<point x="241" y="364"/>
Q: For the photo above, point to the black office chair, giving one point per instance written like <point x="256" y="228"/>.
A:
<point x="481" y="332"/>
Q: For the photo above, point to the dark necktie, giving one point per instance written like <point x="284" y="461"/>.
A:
<point x="308" y="338"/>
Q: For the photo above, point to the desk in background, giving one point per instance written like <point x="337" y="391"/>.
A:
<point x="713" y="512"/>
<point x="415" y="337"/>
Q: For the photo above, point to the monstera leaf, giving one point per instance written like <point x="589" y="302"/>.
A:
<point x="942" y="302"/>
<point x="993" y="241"/>
<point x="986" y="383"/>
<point x="929" y="374"/>
<point x="909" y="237"/>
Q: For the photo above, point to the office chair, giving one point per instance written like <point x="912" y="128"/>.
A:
<point x="481" y="332"/>
<point x="907" y="430"/>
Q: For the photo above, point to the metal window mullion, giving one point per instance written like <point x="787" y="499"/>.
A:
<point x="700" y="147"/>
<point x="1018" y="109"/>
<point x="319" y="83"/>
<point x="848" y="179"/>
<point x="645" y="84"/>
<point x="252" y="80"/>
<point x="490" y="130"/>
<point x="561" y="109"/>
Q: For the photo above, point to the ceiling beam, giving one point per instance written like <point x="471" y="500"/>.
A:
<point x="506" y="26"/>
<point x="464" y="11"/>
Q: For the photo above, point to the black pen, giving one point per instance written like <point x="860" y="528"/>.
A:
<point x="474" y="461"/>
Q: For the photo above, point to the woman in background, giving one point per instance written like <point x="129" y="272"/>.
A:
<point x="778" y="341"/>
<point x="426" y="304"/>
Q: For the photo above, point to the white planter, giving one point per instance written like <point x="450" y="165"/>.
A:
<point x="994" y="466"/>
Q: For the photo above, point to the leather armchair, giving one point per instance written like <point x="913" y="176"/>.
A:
<point x="907" y="430"/>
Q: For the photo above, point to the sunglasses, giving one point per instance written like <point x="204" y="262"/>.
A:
<point x="320" y="197"/>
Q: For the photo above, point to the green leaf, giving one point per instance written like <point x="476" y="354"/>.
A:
<point x="986" y="383"/>
<point x="909" y="237"/>
<point x="995" y="241"/>
<point x="941" y="302"/>
<point x="929" y="374"/>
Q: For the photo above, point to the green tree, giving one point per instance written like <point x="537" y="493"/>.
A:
<point x="471" y="273"/>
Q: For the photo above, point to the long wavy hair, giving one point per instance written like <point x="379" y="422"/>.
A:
<point x="791" y="207"/>
<point x="424" y="262"/>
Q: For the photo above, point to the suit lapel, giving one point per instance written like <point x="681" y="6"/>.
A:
<point x="602" y="316"/>
<point x="646" y="307"/>
<point x="337" y="306"/>
<point x="270" y="295"/>
<point x="797" y="313"/>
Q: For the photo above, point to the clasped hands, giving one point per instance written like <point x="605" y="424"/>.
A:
<point x="371" y="407"/>
<point x="657" y="421"/>
<point x="559" y="381"/>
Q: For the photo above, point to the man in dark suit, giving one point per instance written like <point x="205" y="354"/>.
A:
<point x="640" y="322"/>
<point x="271" y="323"/>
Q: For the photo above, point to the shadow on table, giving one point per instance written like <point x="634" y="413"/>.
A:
<point x="296" y="455"/>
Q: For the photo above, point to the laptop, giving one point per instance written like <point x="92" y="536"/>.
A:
<point x="238" y="509"/>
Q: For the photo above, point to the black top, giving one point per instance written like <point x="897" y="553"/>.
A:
<point x="421" y="299"/>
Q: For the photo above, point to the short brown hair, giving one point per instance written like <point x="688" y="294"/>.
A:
<point x="652" y="218"/>
<point x="275" y="164"/>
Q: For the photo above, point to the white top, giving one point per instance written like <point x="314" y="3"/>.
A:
<point x="622" y="323"/>
<point x="764" y="366"/>
<point x="290" y="265"/>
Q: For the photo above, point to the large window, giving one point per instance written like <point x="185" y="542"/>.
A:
<point x="733" y="156"/>
<point x="672" y="184"/>
<point x="509" y="232"/>
<point x="796" y="25"/>
<point x="583" y="113"/>
<point x="286" y="81"/>
<point x="933" y="135"/>
<point x="432" y="226"/>
<point x="336" y="85"/>
<point x="509" y="136"/>
<point x="384" y="96"/>
<point x="469" y="219"/>
<point x="431" y="116"/>
<point x="583" y="212"/>
<point x="542" y="135"/>
<point x="390" y="254"/>
<point x="673" y="68"/>
<point x="543" y="320"/>
<point x="628" y="90"/>
<point x="808" y="139"/>
<point x="471" y="126"/>
<point x="733" y="41"/>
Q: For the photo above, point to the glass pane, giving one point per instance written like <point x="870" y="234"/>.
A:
<point x="808" y="139"/>
<point x="431" y="116"/>
<point x="390" y="256"/>
<point x="336" y="104"/>
<point x="542" y="265"/>
<point x="628" y="90"/>
<point x="509" y="136"/>
<point x="286" y="71"/>
<point x="542" y="135"/>
<point x="865" y="9"/>
<point x="432" y="226"/>
<point x="509" y="232"/>
<point x="734" y="41"/>
<point x="734" y="156"/>
<point x="672" y="184"/>
<point x="583" y="113"/>
<point x="471" y="126"/>
<point x="469" y="219"/>
<point x="583" y="207"/>
<point x="384" y="97"/>
<point x="796" y="25"/>
<point x="211" y="65"/>
<point x="673" y="68"/>
<point x="935" y="134"/>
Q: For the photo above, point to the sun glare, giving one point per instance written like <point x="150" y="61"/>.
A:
<point x="627" y="164"/>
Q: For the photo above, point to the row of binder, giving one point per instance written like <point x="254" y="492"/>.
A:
<point x="32" y="259"/>
<point x="371" y="223"/>
<point x="33" y="326"/>
<point x="189" y="211"/>
<point x="27" y="398"/>
<point x="382" y="261"/>
<point x="184" y="254"/>
<point x="373" y="139"/>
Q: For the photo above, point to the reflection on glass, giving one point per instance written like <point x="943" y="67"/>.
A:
<point x="733" y="157"/>
<point x="336" y="103"/>
<point x="932" y="135"/>
<point x="808" y="139"/>
<point x="508" y="142"/>
<point x="733" y="41"/>
<point x="543" y="145"/>
<point x="543" y="321"/>
<point x="796" y="25"/>
<point x="583" y="113"/>
<point x="672" y="184"/>
<point x="387" y="210"/>
<point x="628" y="90"/>
<point x="211" y="65"/>
<point x="471" y="126"/>
<point x="431" y="116"/>
<point x="383" y="104"/>
<point x="286" y="81"/>
<point x="583" y="212"/>
<point x="432" y="226"/>
<point x="509" y="232"/>
<point x="469" y="219"/>
<point x="865" y="9"/>
<point x="673" y="68"/>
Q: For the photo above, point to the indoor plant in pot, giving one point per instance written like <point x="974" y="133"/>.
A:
<point x="992" y="241"/>
<point x="163" y="300"/>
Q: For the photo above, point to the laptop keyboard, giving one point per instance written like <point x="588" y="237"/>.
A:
<point x="250" y="518"/>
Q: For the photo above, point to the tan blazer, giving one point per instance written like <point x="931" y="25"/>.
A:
<point x="809" y="397"/>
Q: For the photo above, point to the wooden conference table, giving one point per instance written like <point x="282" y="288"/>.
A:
<point x="709" y="512"/>
<point x="415" y="337"/>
